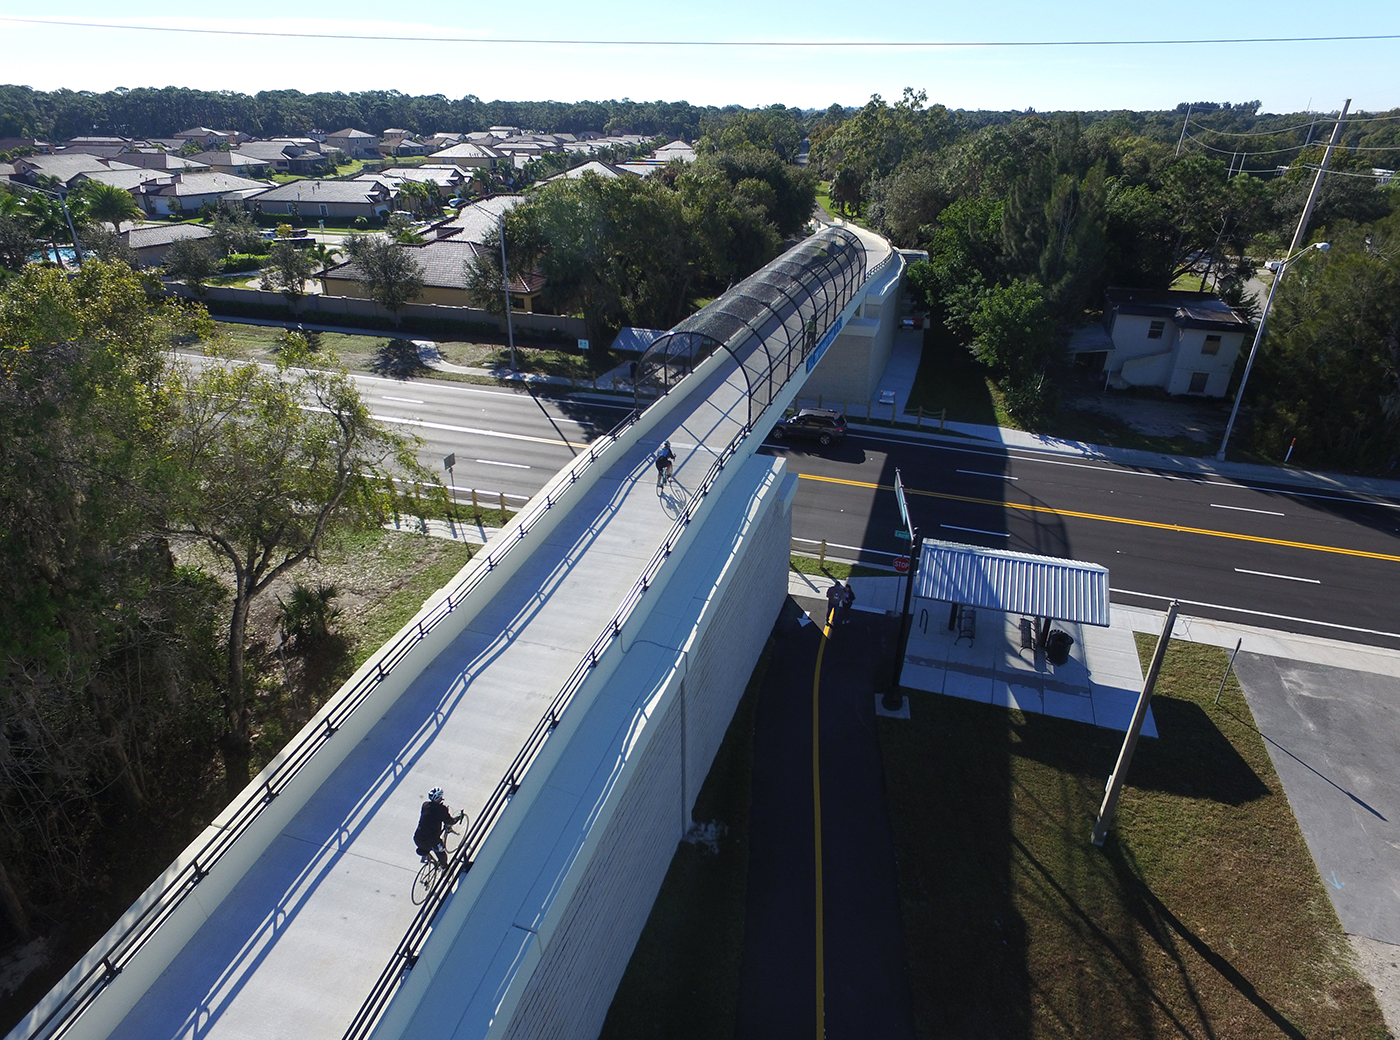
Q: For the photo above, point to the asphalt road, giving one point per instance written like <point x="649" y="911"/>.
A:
<point x="1272" y="555"/>
<point x="1275" y="556"/>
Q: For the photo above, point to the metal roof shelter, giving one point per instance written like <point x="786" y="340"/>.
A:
<point x="770" y="323"/>
<point x="1012" y="582"/>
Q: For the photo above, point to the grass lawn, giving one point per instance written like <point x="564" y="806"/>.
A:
<point x="374" y="352"/>
<point x="833" y="211"/>
<point x="834" y="570"/>
<point x="682" y="982"/>
<point x="1203" y="916"/>
<point x="383" y="577"/>
<point x="949" y="377"/>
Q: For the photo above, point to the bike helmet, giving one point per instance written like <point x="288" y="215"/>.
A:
<point x="435" y="795"/>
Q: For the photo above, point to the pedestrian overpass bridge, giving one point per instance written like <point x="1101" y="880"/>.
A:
<point x="569" y="690"/>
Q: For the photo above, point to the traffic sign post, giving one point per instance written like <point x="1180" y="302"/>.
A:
<point x="448" y="462"/>
<point x="892" y="699"/>
<point x="901" y="565"/>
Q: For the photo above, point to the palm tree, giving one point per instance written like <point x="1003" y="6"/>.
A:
<point x="107" y="202"/>
<point x="322" y="255"/>
<point x="46" y="220"/>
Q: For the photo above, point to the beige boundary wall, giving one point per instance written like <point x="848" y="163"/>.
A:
<point x="524" y="321"/>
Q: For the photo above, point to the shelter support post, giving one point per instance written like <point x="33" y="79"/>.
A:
<point x="893" y="700"/>
<point x="1125" y="757"/>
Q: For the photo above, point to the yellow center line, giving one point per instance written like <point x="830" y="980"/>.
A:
<point x="817" y="821"/>
<point x="1027" y="508"/>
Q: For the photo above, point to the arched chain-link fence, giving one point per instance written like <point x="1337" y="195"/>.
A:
<point x="769" y="323"/>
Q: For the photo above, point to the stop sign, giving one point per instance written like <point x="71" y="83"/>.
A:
<point x="901" y="565"/>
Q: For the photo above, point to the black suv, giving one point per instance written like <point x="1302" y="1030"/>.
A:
<point x="812" y="424"/>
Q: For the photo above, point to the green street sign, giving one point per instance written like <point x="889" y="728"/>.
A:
<point x="903" y="535"/>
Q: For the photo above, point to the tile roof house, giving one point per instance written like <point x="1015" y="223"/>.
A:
<point x="1183" y="342"/>
<point x="286" y="156"/>
<point x="152" y="243"/>
<point x="355" y="143"/>
<point x="444" y="271"/>
<point x="65" y="166"/>
<point x="595" y="166"/>
<point x="237" y="162"/>
<point x="401" y="142"/>
<point x="313" y="199"/>
<point x="207" y="137"/>
<point x="468" y="156"/>
<point x="155" y="159"/>
<point x="447" y="179"/>
<point x="190" y="191"/>
<point x="131" y="180"/>
<point x="475" y="222"/>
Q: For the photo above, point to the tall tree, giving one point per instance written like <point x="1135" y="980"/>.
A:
<point x="110" y="204"/>
<point x="273" y="461"/>
<point x="391" y="274"/>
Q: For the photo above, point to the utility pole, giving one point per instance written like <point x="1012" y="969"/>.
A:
<point x="1317" y="182"/>
<point x="505" y="285"/>
<point x="1184" y="124"/>
<point x="1125" y="757"/>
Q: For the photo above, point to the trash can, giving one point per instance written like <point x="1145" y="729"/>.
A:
<point x="1057" y="647"/>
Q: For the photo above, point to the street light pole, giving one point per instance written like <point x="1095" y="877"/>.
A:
<point x="1296" y="250"/>
<point x="1278" y="267"/>
<point x="505" y="284"/>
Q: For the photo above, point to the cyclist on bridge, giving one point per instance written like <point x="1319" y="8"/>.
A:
<point x="435" y="822"/>
<point x="664" y="459"/>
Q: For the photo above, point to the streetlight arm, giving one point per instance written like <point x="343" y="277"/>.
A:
<point x="1279" y="272"/>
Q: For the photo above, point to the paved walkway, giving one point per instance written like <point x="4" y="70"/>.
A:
<point x="867" y="985"/>
<point x="304" y="934"/>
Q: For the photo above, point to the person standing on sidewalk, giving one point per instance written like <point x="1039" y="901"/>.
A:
<point x="848" y="601"/>
<point x="834" y="597"/>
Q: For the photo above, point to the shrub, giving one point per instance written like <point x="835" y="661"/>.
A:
<point x="236" y="262"/>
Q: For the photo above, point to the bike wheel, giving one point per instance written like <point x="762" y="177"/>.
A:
<point x="424" y="881"/>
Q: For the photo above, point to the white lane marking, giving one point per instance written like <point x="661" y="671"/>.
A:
<point x="467" y="429"/>
<point x="492" y="462"/>
<point x="1257" y="613"/>
<point x="402" y="400"/>
<point x="1120" y="470"/>
<point x="979" y="473"/>
<point x="1285" y="577"/>
<point x="1243" y="509"/>
<point x="975" y="530"/>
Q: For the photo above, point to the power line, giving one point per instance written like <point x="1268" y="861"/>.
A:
<point x="1291" y="148"/>
<point x="1250" y="133"/>
<point x="578" y="42"/>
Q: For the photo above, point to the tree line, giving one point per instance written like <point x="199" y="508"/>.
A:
<point x="146" y="503"/>
<point x="165" y="111"/>
<point x="642" y="251"/>
<point x="1026" y="222"/>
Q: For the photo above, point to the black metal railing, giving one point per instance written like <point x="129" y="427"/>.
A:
<point x="406" y="954"/>
<point x="132" y="939"/>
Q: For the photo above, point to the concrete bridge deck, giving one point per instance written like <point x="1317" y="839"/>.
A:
<point x="294" y="948"/>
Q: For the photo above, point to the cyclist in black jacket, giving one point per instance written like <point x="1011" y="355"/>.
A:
<point x="435" y="822"/>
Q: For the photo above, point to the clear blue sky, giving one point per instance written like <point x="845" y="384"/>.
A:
<point x="1285" y="77"/>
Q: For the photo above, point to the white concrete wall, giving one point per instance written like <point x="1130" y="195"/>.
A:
<point x="851" y="367"/>
<point x="1130" y="339"/>
<point x="582" y="959"/>
<point x="1217" y="367"/>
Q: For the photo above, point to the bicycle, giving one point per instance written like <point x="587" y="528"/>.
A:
<point x="427" y="877"/>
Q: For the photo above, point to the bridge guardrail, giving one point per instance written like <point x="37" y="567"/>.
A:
<point x="86" y="990"/>
<point x="405" y="956"/>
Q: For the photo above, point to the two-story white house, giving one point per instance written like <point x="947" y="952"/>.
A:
<point x="1183" y="342"/>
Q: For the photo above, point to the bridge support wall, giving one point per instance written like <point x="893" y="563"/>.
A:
<point x="582" y="959"/>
